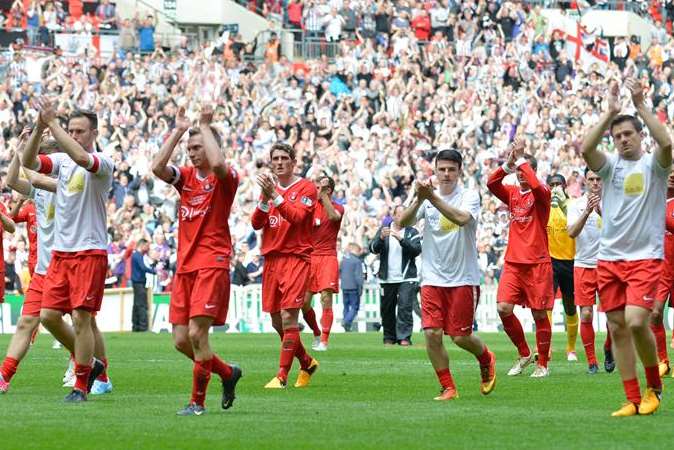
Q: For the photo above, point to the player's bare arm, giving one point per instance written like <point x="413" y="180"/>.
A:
<point x="594" y="158"/>
<point x="663" y="152"/>
<point x="574" y="229"/>
<point x="13" y="180"/>
<point x="28" y="157"/>
<point x="7" y="223"/>
<point x="409" y="215"/>
<point x="324" y="197"/>
<point x="214" y="154"/>
<point x="160" y="161"/>
<point x="455" y="215"/>
<point x="66" y="142"/>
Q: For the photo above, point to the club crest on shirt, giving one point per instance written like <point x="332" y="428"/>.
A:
<point x="293" y="196"/>
<point x="207" y="186"/>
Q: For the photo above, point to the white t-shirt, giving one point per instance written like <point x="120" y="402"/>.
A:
<point x="633" y="208"/>
<point x="81" y="196"/>
<point x="395" y="261"/>
<point x="587" y="241"/>
<point x="448" y="251"/>
<point x="45" y="209"/>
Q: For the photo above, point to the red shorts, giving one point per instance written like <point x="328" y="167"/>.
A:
<point x="285" y="279"/>
<point x="449" y="308"/>
<point x="203" y="292"/>
<point x="324" y="274"/>
<point x="585" y="286"/>
<point x="75" y="281"/>
<point x="666" y="284"/>
<point x="527" y="285"/>
<point x="32" y="302"/>
<point x="623" y="283"/>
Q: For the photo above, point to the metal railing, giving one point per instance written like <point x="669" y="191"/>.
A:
<point x="613" y="5"/>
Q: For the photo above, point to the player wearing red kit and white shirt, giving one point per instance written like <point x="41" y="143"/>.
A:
<point x="666" y="285"/>
<point x="450" y="274"/>
<point x="75" y="279"/>
<point x="201" y="285"/>
<point x="285" y="216"/>
<point x="40" y="189"/>
<point x="324" y="277"/>
<point x="631" y="244"/>
<point x="584" y="225"/>
<point x="526" y="279"/>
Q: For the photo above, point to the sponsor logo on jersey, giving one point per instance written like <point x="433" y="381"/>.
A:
<point x="274" y="221"/>
<point x="187" y="213"/>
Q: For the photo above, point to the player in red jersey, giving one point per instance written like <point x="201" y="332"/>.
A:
<point x="201" y="288"/>
<point x="632" y="237"/>
<point x="39" y="188"/>
<point x="285" y="216"/>
<point x="324" y="277"/>
<point x="666" y="285"/>
<point x="527" y="273"/>
<point x="24" y="212"/>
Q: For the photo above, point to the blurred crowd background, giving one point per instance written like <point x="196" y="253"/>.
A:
<point x="408" y="78"/>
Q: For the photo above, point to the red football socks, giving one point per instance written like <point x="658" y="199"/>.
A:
<point x="291" y="337"/>
<point x="632" y="391"/>
<point x="513" y="328"/>
<point x="103" y="377"/>
<point x="587" y="336"/>
<point x="445" y="378"/>
<point x="223" y="369"/>
<point x="310" y="319"/>
<point x="660" y="341"/>
<point x="543" y="337"/>
<point x="326" y="324"/>
<point x="82" y="372"/>
<point x="301" y="354"/>
<point x="201" y="375"/>
<point x="485" y="358"/>
<point x="653" y="378"/>
<point x="9" y="366"/>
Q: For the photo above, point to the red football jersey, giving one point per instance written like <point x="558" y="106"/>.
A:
<point x="3" y="210"/>
<point x="27" y="214"/>
<point x="203" y="234"/>
<point x="529" y="213"/>
<point x="324" y="234"/>
<point x="669" y="232"/>
<point x="286" y="228"/>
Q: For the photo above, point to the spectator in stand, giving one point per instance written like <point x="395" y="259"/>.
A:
<point x="128" y="38"/>
<point x="351" y="282"/>
<point x="107" y="15"/>
<point x="146" y="29"/>
<point x="254" y="269"/>
<point x="138" y="280"/>
<point x="239" y="274"/>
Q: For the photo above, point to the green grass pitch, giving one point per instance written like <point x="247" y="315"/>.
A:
<point x="363" y="396"/>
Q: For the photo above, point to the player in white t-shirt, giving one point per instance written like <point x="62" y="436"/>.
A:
<point x="584" y="225"/>
<point x="450" y="274"/>
<point x="631" y="242"/>
<point x="76" y="276"/>
<point x="40" y="189"/>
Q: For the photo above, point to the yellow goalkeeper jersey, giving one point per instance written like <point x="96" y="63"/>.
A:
<point x="561" y="245"/>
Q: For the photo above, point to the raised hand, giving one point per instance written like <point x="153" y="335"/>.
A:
<point x="25" y="133"/>
<point x="636" y="91"/>
<point x="613" y="99"/>
<point x="47" y="110"/>
<point x="182" y="122"/>
<point x="424" y="189"/>
<point x="206" y="116"/>
<point x="267" y="185"/>
<point x="593" y="201"/>
<point x="325" y="187"/>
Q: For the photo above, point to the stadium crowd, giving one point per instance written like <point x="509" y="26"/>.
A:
<point x="408" y="80"/>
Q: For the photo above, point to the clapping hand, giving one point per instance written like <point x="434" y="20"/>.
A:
<point x="47" y="111"/>
<point x="206" y="116"/>
<point x="182" y="122"/>
<point x="424" y="189"/>
<point x="614" y="98"/>
<point x="636" y="91"/>
<point x="268" y="185"/>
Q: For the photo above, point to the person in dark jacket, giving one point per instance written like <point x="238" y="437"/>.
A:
<point x="138" y="271"/>
<point x="397" y="247"/>
<point x="351" y="281"/>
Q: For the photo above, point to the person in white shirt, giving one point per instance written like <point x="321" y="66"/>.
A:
<point x="631" y="242"/>
<point x="75" y="278"/>
<point x="584" y="225"/>
<point x="450" y="274"/>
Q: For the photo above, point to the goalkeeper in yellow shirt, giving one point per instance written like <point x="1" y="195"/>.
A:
<point x="562" y="252"/>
